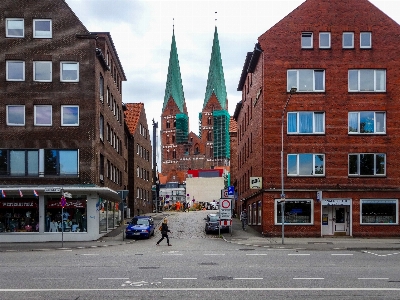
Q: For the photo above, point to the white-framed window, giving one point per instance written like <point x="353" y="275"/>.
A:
<point x="43" y="115"/>
<point x="368" y="122"/>
<point x="365" y="40"/>
<point x="69" y="115"/>
<point x="306" y="40"/>
<point x="379" y="211"/>
<point x="306" y="80"/>
<point x="15" y="70"/>
<point x="69" y="71"/>
<point x="101" y="127"/>
<point x="42" y="71"/>
<point x="16" y="115"/>
<point x="367" y="80"/>
<point x="348" y="40"/>
<point x="15" y="27"/>
<point x="324" y="40"/>
<point x="297" y="211"/>
<point x="42" y="29"/>
<point x="306" y="164"/>
<point x="367" y="164"/>
<point x="306" y="122"/>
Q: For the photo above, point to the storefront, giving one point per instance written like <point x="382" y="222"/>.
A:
<point x="36" y="214"/>
<point x="336" y="217"/>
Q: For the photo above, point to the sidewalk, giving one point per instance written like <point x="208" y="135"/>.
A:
<point x="251" y="237"/>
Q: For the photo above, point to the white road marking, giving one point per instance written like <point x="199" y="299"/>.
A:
<point x="255" y="254"/>
<point x="309" y="278"/>
<point x="373" y="278"/>
<point x="87" y="254"/>
<point x="342" y="254"/>
<point x="172" y="254"/>
<point x="216" y="254"/>
<point x="112" y="278"/>
<point x="204" y="289"/>
<point x="299" y="254"/>
<point x="254" y="278"/>
<point x="180" y="278"/>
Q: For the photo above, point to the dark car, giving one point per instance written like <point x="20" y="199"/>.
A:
<point x="140" y="227"/>
<point x="212" y="224"/>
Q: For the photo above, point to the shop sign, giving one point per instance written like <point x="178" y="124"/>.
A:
<point x="18" y="204"/>
<point x="52" y="190"/>
<point x="68" y="204"/>
<point x="336" y="202"/>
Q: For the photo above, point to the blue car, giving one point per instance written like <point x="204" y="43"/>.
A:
<point x="140" y="227"/>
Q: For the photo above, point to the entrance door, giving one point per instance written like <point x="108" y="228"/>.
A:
<point x="336" y="220"/>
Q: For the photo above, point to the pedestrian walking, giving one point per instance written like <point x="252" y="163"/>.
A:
<point x="243" y="218"/>
<point x="164" y="232"/>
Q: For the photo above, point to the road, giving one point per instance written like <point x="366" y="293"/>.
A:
<point x="197" y="266"/>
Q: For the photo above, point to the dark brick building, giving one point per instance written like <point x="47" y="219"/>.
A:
<point x="61" y="124"/>
<point x="139" y="160"/>
<point x="339" y="130"/>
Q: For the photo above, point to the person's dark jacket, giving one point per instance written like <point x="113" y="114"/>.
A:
<point x="164" y="228"/>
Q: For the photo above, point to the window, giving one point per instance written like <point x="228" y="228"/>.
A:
<point x="16" y="115"/>
<point x="296" y="211"/>
<point x="42" y="71"/>
<point x="365" y="40"/>
<point x="306" y="122"/>
<point x="348" y="40"/>
<point x="24" y="162"/>
<point x="367" y="122"/>
<point x="69" y="71"/>
<point x="42" y="29"/>
<point x="69" y="115"/>
<point x="379" y="211"/>
<point x="367" y="80"/>
<point x="15" y="70"/>
<point x="101" y="88"/>
<point x="306" y="80"/>
<point x="324" y="40"/>
<point x="43" y="115"/>
<point x="306" y="40"/>
<point x="61" y="162"/>
<point x="367" y="164"/>
<point x="15" y="28"/>
<point x="101" y="127"/>
<point x="306" y="164"/>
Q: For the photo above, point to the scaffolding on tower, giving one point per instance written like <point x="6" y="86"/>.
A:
<point x="182" y="128"/>
<point x="221" y="145"/>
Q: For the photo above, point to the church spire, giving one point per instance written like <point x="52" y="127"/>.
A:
<point x="216" y="79"/>
<point x="174" y="86"/>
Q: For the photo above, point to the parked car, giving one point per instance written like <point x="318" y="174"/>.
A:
<point x="212" y="224"/>
<point x="140" y="227"/>
<point x="212" y="205"/>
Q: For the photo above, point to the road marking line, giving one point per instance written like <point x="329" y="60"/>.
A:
<point x="373" y="278"/>
<point x="87" y="254"/>
<point x="255" y="254"/>
<point x="112" y="278"/>
<point x="203" y="289"/>
<point x="298" y="253"/>
<point x="179" y="278"/>
<point x="255" y="278"/>
<point x="341" y="254"/>
<point x="172" y="254"/>
<point x="214" y="254"/>
<point x="309" y="278"/>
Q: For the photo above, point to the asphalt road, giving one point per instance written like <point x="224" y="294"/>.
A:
<point x="198" y="266"/>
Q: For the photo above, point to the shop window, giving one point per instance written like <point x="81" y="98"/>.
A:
<point x="69" y="115"/>
<point x="42" y="29"/>
<point x="15" y="28"/>
<point x="43" y="115"/>
<point x="72" y="218"/>
<point x="19" y="215"/>
<point x="379" y="211"/>
<point x="61" y="162"/>
<point x="296" y="211"/>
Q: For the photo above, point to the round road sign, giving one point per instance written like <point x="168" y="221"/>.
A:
<point x="226" y="204"/>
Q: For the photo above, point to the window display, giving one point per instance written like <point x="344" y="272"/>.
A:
<point x="70" y="219"/>
<point x="382" y="211"/>
<point x="19" y="215"/>
<point x="296" y="212"/>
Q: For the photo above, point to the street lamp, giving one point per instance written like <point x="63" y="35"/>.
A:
<point x="292" y="91"/>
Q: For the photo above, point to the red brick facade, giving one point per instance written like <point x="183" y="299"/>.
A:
<point x="265" y="93"/>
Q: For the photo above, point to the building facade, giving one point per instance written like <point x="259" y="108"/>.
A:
<point x="319" y="111"/>
<point x="139" y="160"/>
<point x="62" y="152"/>
<point x="181" y="149"/>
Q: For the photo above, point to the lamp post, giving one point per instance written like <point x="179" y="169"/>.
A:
<point x="283" y="197"/>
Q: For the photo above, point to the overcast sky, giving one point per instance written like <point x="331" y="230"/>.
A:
<point x="142" y="33"/>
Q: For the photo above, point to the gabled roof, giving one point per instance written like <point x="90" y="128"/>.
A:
<point x="174" y="87"/>
<point x="132" y="115"/>
<point x="216" y="79"/>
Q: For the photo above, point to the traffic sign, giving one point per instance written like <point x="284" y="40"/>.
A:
<point x="231" y="190"/>
<point x="225" y="208"/>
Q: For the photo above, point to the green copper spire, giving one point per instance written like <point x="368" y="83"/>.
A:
<point x="174" y="86"/>
<point x="216" y="79"/>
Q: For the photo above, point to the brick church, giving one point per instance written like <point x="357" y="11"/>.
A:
<point x="182" y="150"/>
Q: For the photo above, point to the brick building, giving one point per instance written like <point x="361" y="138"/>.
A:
<point x="181" y="149"/>
<point x="139" y="160"/>
<point x="61" y="125"/>
<point x="339" y="130"/>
